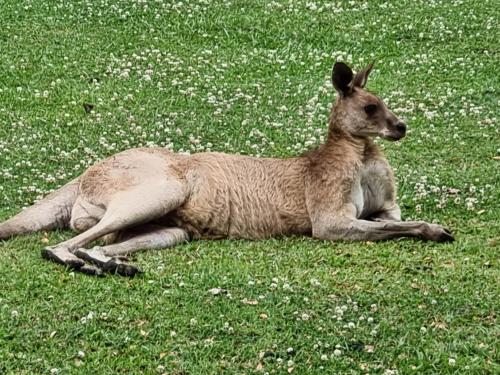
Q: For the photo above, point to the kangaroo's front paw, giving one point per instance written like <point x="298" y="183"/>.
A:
<point x="437" y="233"/>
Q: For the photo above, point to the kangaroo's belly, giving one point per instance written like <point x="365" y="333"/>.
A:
<point x="219" y="220"/>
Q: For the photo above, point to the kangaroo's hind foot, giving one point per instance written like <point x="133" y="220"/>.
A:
<point x="65" y="257"/>
<point x="112" y="258"/>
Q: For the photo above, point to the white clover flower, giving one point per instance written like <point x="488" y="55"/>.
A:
<point x="315" y="282"/>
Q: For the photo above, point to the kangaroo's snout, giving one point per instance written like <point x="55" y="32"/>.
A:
<point x="401" y="127"/>
<point x="400" y="131"/>
<point x="394" y="131"/>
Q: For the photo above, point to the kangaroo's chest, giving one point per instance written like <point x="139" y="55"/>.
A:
<point x="373" y="188"/>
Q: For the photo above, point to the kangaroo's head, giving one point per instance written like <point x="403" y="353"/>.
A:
<point x="359" y="112"/>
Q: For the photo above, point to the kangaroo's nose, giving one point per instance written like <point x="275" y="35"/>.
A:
<point x="401" y="127"/>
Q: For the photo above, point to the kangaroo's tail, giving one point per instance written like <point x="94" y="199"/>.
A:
<point x="53" y="211"/>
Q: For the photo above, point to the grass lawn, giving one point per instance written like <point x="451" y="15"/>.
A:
<point x="83" y="79"/>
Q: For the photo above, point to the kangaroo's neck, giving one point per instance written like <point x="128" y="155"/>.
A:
<point x="342" y="150"/>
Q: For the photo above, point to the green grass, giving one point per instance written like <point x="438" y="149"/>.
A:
<point x="210" y="75"/>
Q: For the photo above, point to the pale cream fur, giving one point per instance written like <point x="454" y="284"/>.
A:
<point x="152" y="198"/>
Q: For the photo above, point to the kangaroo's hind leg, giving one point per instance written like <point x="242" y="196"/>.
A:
<point x="110" y="258"/>
<point x="84" y="216"/>
<point x="140" y="204"/>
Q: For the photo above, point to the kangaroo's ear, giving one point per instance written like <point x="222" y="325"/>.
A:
<point x="342" y="78"/>
<point x="362" y="76"/>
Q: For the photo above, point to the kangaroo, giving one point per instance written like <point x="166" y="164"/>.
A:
<point x="151" y="198"/>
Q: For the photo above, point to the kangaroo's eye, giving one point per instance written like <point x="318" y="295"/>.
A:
<point x="370" y="109"/>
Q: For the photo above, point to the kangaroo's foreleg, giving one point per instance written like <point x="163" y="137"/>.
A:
<point x="364" y="230"/>
<point x="110" y="258"/>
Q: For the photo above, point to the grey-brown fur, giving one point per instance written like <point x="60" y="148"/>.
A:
<point x="152" y="198"/>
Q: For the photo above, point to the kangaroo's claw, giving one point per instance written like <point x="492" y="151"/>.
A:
<point x="438" y="233"/>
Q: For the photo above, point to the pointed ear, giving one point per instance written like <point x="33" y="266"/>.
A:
<point x="362" y="76"/>
<point x="342" y="78"/>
